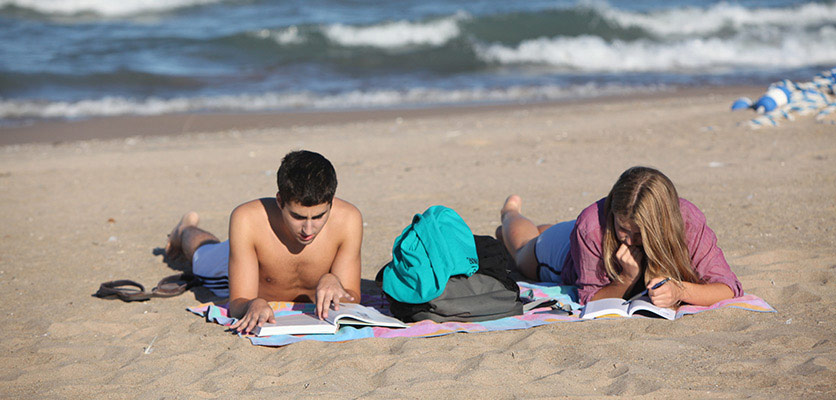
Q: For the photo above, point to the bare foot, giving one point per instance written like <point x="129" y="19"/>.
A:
<point x="498" y="234"/>
<point x="512" y="204"/>
<point x="172" y="247"/>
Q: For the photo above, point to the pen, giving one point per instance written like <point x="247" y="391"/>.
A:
<point x="644" y="292"/>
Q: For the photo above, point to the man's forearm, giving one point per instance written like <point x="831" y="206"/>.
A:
<point x="238" y="307"/>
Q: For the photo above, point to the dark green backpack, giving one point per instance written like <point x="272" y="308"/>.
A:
<point x="486" y="295"/>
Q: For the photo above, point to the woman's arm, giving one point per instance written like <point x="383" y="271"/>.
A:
<point x="698" y="294"/>
<point x="629" y="258"/>
<point x="614" y="289"/>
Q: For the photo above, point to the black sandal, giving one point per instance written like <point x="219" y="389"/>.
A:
<point x="174" y="285"/>
<point x="125" y="290"/>
<point x="128" y="290"/>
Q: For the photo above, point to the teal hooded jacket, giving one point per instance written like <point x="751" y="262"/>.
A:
<point x="437" y="245"/>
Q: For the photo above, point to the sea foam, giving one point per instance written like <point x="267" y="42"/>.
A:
<point x="594" y="54"/>
<point x="694" y="21"/>
<point x="107" y="8"/>
<point x="288" y="35"/>
<point x="397" y="34"/>
<point x="111" y="106"/>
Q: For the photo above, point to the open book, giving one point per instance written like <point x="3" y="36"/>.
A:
<point x="306" y="324"/>
<point x="616" y="307"/>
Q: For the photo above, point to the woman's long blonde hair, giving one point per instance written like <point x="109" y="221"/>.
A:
<point x="648" y="198"/>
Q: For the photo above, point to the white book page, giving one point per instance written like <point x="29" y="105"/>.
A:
<point x="306" y="324"/>
<point x="643" y="303"/>
<point x="356" y="314"/>
<point x="295" y="324"/>
<point x="597" y="308"/>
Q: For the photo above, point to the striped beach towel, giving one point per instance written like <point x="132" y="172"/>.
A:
<point x="563" y="295"/>
<point x="786" y="99"/>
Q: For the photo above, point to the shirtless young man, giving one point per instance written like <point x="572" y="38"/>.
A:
<point x="303" y="245"/>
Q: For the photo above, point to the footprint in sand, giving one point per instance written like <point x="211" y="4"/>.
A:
<point x="628" y="385"/>
<point x="824" y="278"/>
<point x="731" y="325"/>
<point x="808" y="367"/>
<point x="796" y="293"/>
<point x="790" y="340"/>
<point x="618" y="371"/>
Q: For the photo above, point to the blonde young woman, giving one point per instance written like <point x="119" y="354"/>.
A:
<point x="637" y="236"/>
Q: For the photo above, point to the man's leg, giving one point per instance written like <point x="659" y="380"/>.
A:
<point x="518" y="234"/>
<point x="186" y="237"/>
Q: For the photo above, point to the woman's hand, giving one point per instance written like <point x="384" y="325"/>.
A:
<point x="698" y="294"/>
<point x="669" y="295"/>
<point x="630" y="258"/>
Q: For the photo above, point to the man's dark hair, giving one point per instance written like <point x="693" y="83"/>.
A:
<point x="307" y="178"/>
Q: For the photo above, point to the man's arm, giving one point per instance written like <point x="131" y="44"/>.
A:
<point x="243" y="274"/>
<point x="343" y="280"/>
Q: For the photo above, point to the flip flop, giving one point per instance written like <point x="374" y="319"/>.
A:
<point x="128" y="290"/>
<point x="174" y="285"/>
<point x="125" y="290"/>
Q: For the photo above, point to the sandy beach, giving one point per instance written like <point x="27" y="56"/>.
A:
<point x="95" y="203"/>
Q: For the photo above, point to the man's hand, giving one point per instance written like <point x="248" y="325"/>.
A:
<point x="668" y="295"/>
<point x="629" y="257"/>
<point x="258" y="312"/>
<point x="329" y="291"/>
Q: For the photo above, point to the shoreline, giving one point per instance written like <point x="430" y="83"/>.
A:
<point x="101" y="128"/>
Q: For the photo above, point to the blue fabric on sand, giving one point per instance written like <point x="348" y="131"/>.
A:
<point x="437" y="245"/>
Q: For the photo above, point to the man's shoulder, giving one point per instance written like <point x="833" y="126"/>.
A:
<point x="254" y="210"/>
<point x="345" y="215"/>
<point x="345" y="207"/>
<point x="253" y="206"/>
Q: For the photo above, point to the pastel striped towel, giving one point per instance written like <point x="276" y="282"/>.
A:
<point x="565" y="295"/>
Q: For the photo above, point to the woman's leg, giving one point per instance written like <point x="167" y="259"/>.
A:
<point x="518" y="234"/>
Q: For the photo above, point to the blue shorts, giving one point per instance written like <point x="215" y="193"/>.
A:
<point x="551" y="249"/>
<point x="210" y="264"/>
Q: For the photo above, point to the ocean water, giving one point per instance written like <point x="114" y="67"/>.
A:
<point x="68" y="59"/>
